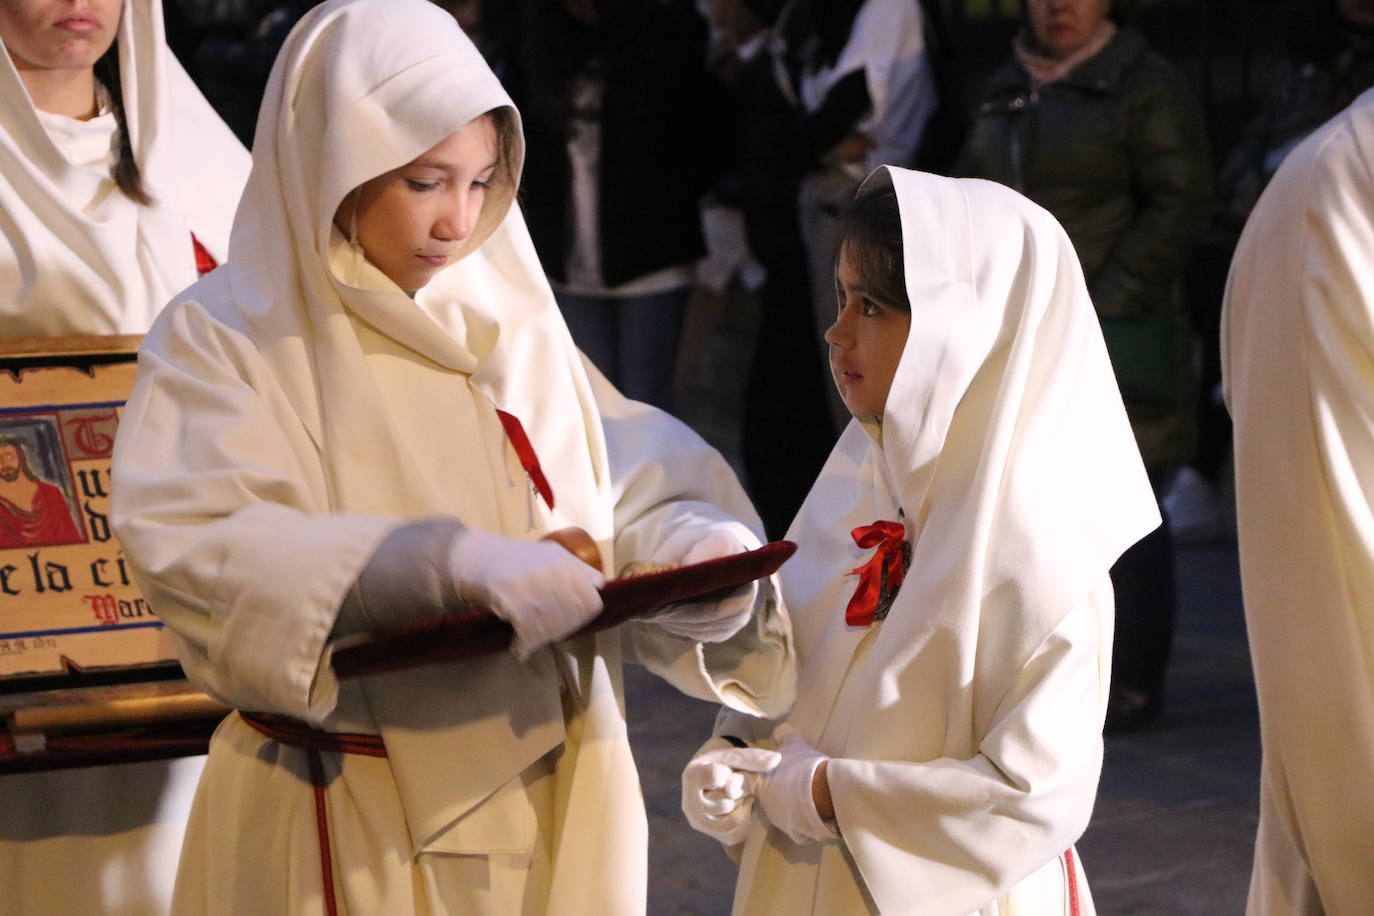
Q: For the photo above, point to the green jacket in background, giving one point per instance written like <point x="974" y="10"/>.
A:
<point x="1117" y="151"/>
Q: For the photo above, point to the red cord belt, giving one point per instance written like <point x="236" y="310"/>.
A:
<point x="292" y="733"/>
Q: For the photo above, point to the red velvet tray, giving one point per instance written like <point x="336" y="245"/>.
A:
<point x="477" y="631"/>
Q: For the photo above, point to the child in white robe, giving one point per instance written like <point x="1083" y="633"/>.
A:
<point x="950" y="596"/>
<point x="370" y="416"/>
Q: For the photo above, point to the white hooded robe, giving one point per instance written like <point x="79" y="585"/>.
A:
<point x="964" y="729"/>
<point x="296" y="406"/>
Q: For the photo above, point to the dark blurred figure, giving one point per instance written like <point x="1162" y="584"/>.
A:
<point x="787" y="434"/>
<point x="865" y="90"/>
<point x="625" y="130"/>
<point x="1088" y="122"/>
<point x="1332" y="62"/>
<point x="235" y="57"/>
<point x="488" y="24"/>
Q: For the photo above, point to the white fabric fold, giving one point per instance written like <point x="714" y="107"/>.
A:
<point x="76" y="255"/>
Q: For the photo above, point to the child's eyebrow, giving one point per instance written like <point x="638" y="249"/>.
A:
<point x="442" y="166"/>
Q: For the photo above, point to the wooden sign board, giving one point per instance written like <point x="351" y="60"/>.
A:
<point x="68" y="603"/>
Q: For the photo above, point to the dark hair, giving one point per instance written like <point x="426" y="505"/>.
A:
<point x="870" y="233"/>
<point x="125" y="170"/>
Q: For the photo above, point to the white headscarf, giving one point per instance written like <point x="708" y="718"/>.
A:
<point x="78" y="257"/>
<point x="397" y="393"/>
<point x="361" y="88"/>
<point x="1005" y="443"/>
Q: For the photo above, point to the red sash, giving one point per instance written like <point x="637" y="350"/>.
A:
<point x="291" y="733"/>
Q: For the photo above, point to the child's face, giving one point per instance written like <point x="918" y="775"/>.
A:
<point x="866" y="343"/>
<point x="411" y="220"/>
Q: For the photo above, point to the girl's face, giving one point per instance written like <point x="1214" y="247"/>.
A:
<point x="411" y="220"/>
<point x="866" y="343"/>
<point x="1061" y="27"/>
<point x="58" y="34"/>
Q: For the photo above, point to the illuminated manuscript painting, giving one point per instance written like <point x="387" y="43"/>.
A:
<point x="67" y="600"/>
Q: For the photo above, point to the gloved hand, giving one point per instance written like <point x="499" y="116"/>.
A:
<point x="539" y="588"/>
<point x="718" y="788"/>
<point x="785" y="791"/>
<point x="712" y="621"/>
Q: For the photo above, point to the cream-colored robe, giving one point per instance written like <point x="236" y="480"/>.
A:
<point x="917" y="823"/>
<point x="78" y="257"/>
<point x="964" y="729"/>
<point x="294" y="407"/>
<point x="253" y="593"/>
<point x="1299" y="373"/>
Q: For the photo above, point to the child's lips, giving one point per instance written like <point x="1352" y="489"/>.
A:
<point x="80" y="23"/>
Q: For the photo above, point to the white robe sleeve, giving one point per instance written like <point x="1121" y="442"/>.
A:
<point x="225" y="527"/>
<point x="956" y="834"/>
<point x="212" y="163"/>
<point x="671" y="489"/>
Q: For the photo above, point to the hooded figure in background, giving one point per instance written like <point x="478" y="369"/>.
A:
<point x="351" y="426"/>
<point x="83" y="249"/>
<point x="951" y="695"/>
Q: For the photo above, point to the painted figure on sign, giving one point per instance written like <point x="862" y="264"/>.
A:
<point x="33" y="512"/>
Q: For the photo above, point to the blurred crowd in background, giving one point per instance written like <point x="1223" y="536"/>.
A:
<point x="686" y="159"/>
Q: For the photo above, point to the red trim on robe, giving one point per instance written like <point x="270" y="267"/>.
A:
<point x="205" y="261"/>
<point x="291" y="733"/>
<point x="1071" y="875"/>
<point x="525" y="452"/>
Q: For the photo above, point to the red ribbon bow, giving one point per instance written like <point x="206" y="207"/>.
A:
<point x="888" y="538"/>
<point x="525" y="452"/>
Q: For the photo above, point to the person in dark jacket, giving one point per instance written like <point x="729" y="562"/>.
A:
<point x="625" y="134"/>
<point x="1091" y="124"/>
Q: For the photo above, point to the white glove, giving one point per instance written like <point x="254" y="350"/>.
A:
<point x="718" y="788"/>
<point x="539" y="588"/>
<point x="712" y="621"/>
<point x="785" y="792"/>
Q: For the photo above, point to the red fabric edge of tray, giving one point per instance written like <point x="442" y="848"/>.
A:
<point x="477" y="631"/>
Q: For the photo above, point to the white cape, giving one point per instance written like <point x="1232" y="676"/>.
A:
<point x="965" y="728"/>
